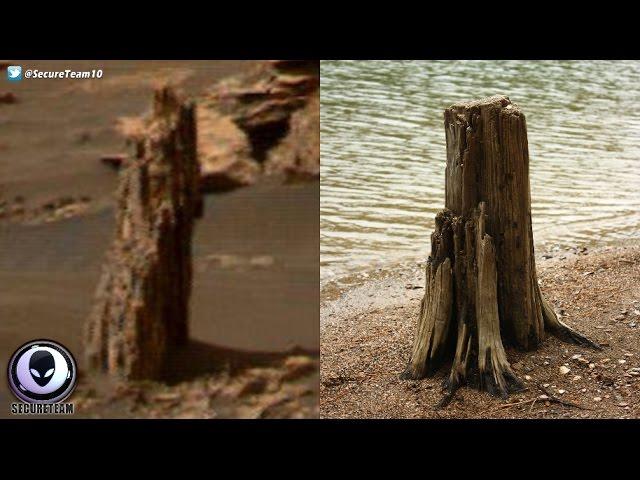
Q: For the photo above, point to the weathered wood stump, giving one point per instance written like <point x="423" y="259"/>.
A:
<point x="481" y="283"/>
<point x="141" y="307"/>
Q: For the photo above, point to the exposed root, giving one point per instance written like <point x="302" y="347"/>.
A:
<point x="448" y="396"/>
<point x="433" y="324"/>
<point x="462" y="282"/>
<point x="458" y="375"/>
<point x="561" y="330"/>
<point x="550" y="397"/>
<point x="496" y="376"/>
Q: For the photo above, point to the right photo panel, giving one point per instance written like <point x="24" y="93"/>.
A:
<point x="479" y="240"/>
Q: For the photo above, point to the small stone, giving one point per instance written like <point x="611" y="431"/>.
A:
<point x="592" y="366"/>
<point x="562" y="392"/>
<point x="114" y="161"/>
<point x="167" y="396"/>
<point x="527" y="377"/>
<point x="577" y="377"/>
<point x="621" y="361"/>
<point x="7" y="97"/>
<point x="564" y="370"/>
<point x="597" y="399"/>
<point x="262" y="261"/>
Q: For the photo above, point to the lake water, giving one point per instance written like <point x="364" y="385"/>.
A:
<point x="383" y="152"/>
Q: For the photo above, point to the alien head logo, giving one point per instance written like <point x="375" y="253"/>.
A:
<point x="42" y="365"/>
<point x="42" y="371"/>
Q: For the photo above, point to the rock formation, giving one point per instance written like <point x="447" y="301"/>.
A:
<point x="264" y="122"/>
<point x="141" y="307"/>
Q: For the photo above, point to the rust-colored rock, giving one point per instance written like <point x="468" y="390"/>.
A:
<point x="8" y="97"/>
<point x="224" y="153"/>
<point x="264" y="122"/>
<point x="267" y="121"/>
<point x="115" y="161"/>
<point x="298" y="67"/>
<point x="141" y="307"/>
<point x="297" y="155"/>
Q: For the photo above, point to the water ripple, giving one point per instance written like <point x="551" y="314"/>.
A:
<point x="383" y="151"/>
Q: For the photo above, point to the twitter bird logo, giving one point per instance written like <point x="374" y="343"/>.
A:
<point x="14" y="73"/>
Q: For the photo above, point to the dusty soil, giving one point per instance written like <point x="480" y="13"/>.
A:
<point x="255" y="295"/>
<point x="242" y="385"/>
<point x="367" y="332"/>
<point x="255" y="298"/>
<point x="53" y="136"/>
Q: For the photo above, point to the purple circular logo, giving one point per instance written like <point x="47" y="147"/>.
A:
<point x="42" y="371"/>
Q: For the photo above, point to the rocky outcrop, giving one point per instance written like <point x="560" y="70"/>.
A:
<point x="19" y="211"/>
<point x="141" y="306"/>
<point x="224" y="153"/>
<point x="297" y="155"/>
<point x="267" y="122"/>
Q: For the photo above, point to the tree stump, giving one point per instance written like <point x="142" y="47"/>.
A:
<point x="481" y="283"/>
<point x="141" y="307"/>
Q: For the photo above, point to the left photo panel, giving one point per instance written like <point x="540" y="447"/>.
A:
<point x="159" y="239"/>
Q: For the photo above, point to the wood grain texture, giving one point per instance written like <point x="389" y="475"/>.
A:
<point x="484" y="236"/>
<point x="141" y="305"/>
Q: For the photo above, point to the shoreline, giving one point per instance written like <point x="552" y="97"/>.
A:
<point x="367" y="331"/>
<point x="359" y="287"/>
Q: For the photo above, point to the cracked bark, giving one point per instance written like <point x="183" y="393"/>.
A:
<point x="141" y="306"/>
<point x="481" y="282"/>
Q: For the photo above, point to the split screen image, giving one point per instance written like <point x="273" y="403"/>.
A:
<point x="319" y="239"/>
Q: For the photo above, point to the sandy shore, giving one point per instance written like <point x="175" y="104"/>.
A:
<point x="367" y="331"/>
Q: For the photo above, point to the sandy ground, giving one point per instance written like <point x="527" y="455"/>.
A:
<point x="255" y="300"/>
<point x="52" y="137"/>
<point x="367" y="332"/>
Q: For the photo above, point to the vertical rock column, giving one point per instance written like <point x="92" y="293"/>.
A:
<point x="141" y="305"/>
